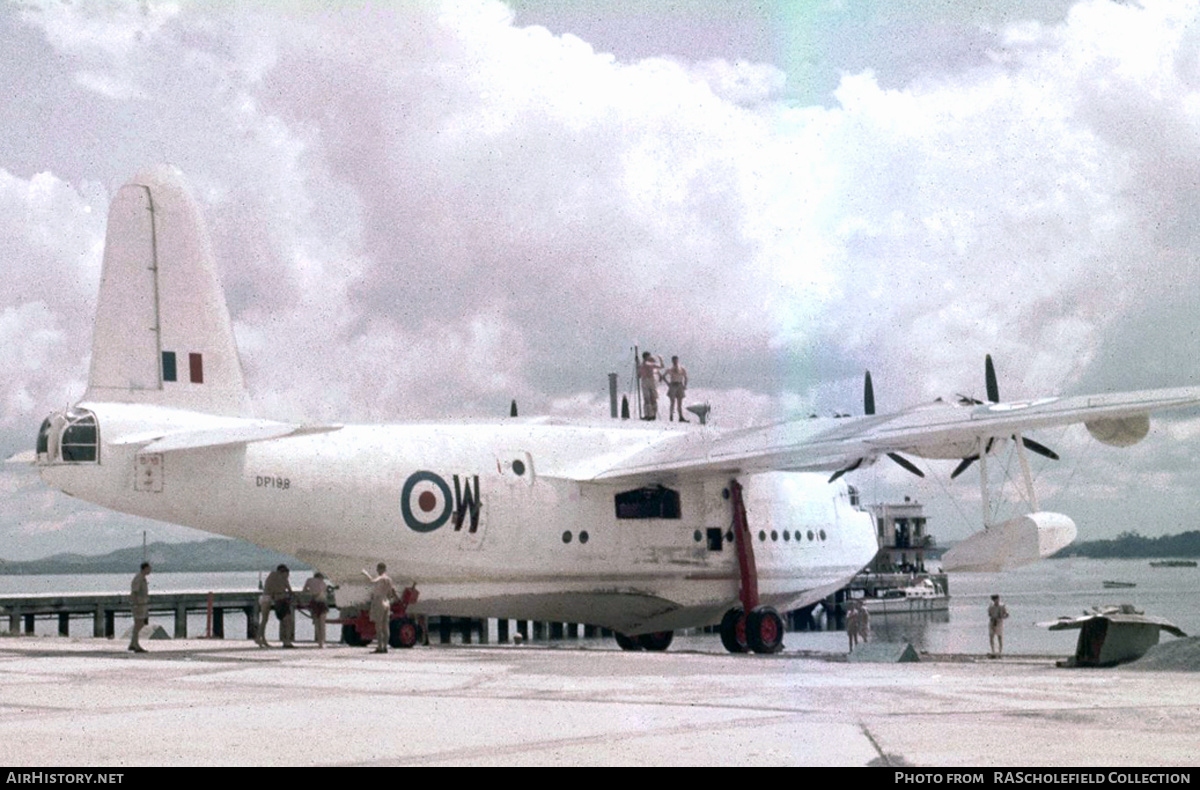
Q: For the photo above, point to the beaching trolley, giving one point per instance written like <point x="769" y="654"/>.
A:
<point x="359" y="631"/>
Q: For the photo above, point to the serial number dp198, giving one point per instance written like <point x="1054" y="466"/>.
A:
<point x="267" y="481"/>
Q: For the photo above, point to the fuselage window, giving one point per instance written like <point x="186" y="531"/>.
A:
<point x="649" y="502"/>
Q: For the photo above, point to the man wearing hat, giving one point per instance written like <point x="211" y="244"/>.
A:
<point x="997" y="612"/>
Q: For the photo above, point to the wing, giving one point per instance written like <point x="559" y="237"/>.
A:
<point x="939" y="430"/>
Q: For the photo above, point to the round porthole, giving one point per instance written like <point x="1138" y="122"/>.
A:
<point x="567" y="537"/>
<point x="774" y="535"/>
<point x="729" y="536"/>
<point x="810" y="534"/>
<point x="822" y="534"/>
<point x="583" y="537"/>
<point x="762" y="535"/>
<point x="787" y="536"/>
<point x="696" y="536"/>
<point x="518" y="467"/>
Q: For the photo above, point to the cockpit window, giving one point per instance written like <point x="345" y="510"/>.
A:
<point x="649" y="502"/>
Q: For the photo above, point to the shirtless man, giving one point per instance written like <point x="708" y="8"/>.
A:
<point x="383" y="592"/>
<point x="277" y="592"/>
<point x="997" y="613"/>
<point x="317" y="588"/>
<point x="648" y="374"/>
<point x="677" y="380"/>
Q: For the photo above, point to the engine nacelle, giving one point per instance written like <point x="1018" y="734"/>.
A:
<point x="1014" y="543"/>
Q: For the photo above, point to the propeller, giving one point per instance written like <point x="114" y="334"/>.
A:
<point x="869" y="409"/>
<point x="849" y="468"/>
<point x="993" y="395"/>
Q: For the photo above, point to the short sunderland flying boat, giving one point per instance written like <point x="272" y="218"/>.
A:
<point x="640" y="528"/>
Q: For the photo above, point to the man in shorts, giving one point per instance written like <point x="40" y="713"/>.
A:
<point x="383" y="593"/>
<point x="997" y="613"/>
<point x="677" y="380"/>
<point x="139" y="594"/>
<point x="277" y="596"/>
<point x="648" y="375"/>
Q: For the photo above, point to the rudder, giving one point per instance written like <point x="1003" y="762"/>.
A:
<point x="163" y="334"/>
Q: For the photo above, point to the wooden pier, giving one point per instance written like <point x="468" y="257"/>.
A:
<point x="103" y="608"/>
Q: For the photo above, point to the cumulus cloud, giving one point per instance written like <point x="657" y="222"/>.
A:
<point x="429" y="209"/>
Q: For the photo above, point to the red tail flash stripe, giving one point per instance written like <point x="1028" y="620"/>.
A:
<point x="196" y="363"/>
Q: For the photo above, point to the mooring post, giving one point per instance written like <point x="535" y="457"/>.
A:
<point x="180" y="621"/>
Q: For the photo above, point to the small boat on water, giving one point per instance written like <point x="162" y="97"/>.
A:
<point x="1173" y="564"/>
<point x="923" y="596"/>
<point x="1111" y="585"/>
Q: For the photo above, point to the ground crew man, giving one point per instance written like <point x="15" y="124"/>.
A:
<point x="383" y="592"/>
<point x="277" y="595"/>
<point x="997" y="613"/>
<point x="317" y="588"/>
<point x="852" y="621"/>
<point x="677" y="381"/>
<point x="139" y="594"/>
<point x="648" y="375"/>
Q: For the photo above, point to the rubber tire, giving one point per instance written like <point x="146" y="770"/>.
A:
<point x="403" y="632"/>
<point x="351" y="636"/>
<point x="626" y="642"/>
<point x="729" y="632"/>
<point x="764" y="630"/>
<point x="657" y="641"/>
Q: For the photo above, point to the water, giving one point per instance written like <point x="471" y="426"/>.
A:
<point x="1036" y="593"/>
<point x="235" y="622"/>
<point x="1040" y="592"/>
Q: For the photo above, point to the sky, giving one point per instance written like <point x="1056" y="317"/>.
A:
<point x="426" y="210"/>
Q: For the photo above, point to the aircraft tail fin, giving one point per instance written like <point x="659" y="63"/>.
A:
<point x="163" y="334"/>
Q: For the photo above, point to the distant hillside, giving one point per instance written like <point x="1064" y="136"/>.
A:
<point x="214" y="554"/>
<point x="1131" y="545"/>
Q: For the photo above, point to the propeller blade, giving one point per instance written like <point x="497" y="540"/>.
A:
<point x="868" y="395"/>
<point x="907" y="464"/>
<point x="964" y="465"/>
<point x="1040" y="449"/>
<point x="989" y="374"/>
<point x="967" y="400"/>
<point x="849" y="468"/>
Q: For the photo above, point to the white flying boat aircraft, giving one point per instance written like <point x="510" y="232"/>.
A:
<point x="640" y="528"/>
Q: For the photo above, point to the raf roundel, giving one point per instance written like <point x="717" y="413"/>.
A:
<point x="425" y="502"/>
